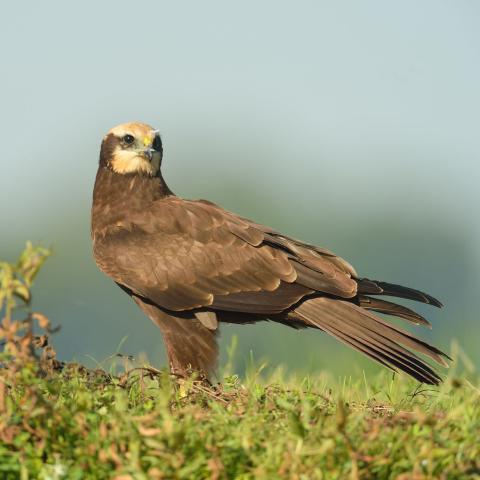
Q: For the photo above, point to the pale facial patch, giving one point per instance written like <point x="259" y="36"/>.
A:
<point x="131" y="159"/>
<point x="125" y="161"/>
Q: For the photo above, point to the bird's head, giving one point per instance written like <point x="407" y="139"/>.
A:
<point x="132" y="148"/>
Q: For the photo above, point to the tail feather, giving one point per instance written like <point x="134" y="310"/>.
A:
<point x="390" y="308"/>
<point x="392" y="360"/>
<point x="374" y="287"/>
<point x="368" y="333"/>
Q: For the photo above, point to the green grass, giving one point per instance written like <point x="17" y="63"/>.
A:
<point x="79" y="424"/>
<point x="62" y="421"/>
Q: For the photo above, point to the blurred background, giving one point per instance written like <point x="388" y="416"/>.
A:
<point x="352" y="125"/>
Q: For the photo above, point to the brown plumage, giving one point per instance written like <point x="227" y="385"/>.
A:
<point x="190" y="265"/>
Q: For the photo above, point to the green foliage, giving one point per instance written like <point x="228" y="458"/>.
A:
<point x="62" y="421"/>
<point x="80" y="424"/>
<point x="16" y="279"/>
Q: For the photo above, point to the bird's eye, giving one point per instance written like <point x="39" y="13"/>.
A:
<point x="128" y="139"/>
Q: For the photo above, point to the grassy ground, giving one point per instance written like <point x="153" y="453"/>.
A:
<point x="62" y="421"/>
<point x="79" y="424"/>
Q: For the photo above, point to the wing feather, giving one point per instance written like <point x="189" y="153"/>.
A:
<point x="184" y="254"/>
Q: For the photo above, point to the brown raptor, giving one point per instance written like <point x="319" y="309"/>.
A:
<point x="191" y="265"/>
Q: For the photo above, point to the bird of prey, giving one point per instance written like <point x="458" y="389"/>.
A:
<point x="191" y="265"/>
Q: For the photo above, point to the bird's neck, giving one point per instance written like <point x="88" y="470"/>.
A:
<point x="115" y="194"/>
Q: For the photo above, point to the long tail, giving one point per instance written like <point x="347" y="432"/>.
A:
<point x="358" y="327"/>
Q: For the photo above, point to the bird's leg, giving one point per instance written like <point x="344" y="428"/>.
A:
<point x="191" y="347"/>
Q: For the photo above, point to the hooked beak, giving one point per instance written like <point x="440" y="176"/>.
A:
<point x="148" y="152"/>
<point x="152" y="146"/>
